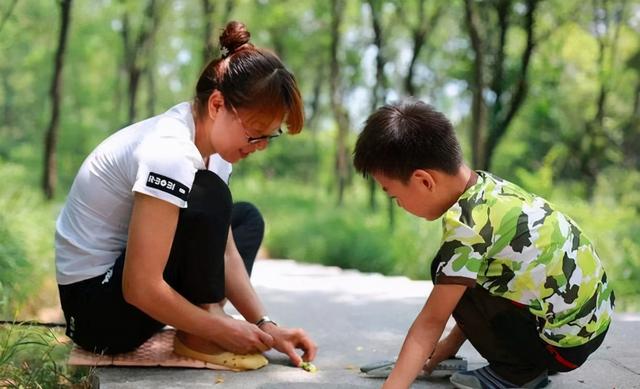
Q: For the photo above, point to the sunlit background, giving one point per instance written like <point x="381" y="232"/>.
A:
<point x="543" y="93"/>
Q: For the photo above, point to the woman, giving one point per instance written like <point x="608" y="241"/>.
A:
<point x="144" y="239"/>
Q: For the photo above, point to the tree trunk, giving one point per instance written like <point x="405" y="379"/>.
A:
<point x="631" y="142"/>
<point x="136" y="53"/>
<point x="597" y="140"/>
<point x="378" y="90"/>
<point x="486" y="132"/>
<point x="209" y="40"/>
<point x="151" y="87"/>
<point x="420" y="34"/>
<point x="508" y="109"/>
<point x="9" y="93"/>
<point x="5" y="17"/>
<point x="315" y="98"/>
<point x="340" y="113"/>
<point x="478" y="111"/>
<point x="228" y="9"/>
<point x="51" y="136"/>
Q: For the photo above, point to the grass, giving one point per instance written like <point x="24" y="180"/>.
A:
<point x="35" y="357"/>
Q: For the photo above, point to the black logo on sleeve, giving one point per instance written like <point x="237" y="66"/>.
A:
<point x="166" y="184"/>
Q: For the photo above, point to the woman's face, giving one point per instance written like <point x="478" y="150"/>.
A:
<point x="236" y="134"/>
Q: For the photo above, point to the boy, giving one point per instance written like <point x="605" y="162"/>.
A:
<point x="522" y="282"/>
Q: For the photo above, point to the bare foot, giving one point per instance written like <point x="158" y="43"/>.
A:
<point x="192" y="346"/>
<point x="198" y="344"/>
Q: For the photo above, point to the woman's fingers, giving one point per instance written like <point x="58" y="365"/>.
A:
<point x="266" y="341"/>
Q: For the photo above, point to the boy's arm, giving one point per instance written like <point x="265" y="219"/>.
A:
<point x="424" y="334"/>
<point x="446" y="348"/>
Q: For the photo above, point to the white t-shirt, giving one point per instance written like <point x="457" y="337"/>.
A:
<point x="157" y="157"/>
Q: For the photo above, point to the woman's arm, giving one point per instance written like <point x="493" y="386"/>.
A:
<point x="240" y="292"/>
<point x="424" y="334"/>
<point x="151" y="231"/>
<point x="238" y="288"/>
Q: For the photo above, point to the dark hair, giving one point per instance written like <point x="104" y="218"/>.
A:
<point x="399" y="138"/>
<point x="250" y="78"/>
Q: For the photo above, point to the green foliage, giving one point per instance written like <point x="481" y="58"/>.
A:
<point x="290" y="157"/>
<point x="26" y="239"/>
<point x="32" y="357"/>
<point x="14" y="269"/>
<point x="303" y="223"/>
<point x="611" y="220"/>
<point x="545" y="149"/>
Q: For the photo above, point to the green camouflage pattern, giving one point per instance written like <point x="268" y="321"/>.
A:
<point x="518" y="246"/>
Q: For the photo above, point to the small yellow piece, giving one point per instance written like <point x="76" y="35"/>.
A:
<point x="308" y="366"/>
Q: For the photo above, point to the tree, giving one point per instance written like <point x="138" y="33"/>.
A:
<point x="51" y="137"/>
<point x="210" y="38"/>
<point x="209" y="42"/>
<point x="7" y="14"/>
<point x="497" y="90"/>
<point x="420" y="33"/>
<point x="596" y="140"/>
<point x="337" y="106"/>
<point x="137" y="51"/>
<point x="631" y="137"/>
<point x="379" y="91"/>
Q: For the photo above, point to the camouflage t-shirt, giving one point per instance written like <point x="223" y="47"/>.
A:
<point x="517" y="246"/>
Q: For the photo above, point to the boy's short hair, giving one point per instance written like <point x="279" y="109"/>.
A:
<point x="402" y="137"/>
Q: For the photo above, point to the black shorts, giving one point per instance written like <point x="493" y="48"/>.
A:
<point x="100" y="320"/>
<point x="506" y="334"/>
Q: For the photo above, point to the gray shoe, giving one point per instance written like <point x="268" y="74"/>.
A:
<point x="486" y="378"/>
<point x="377" y="365"/>
<point x="382" y="369"/>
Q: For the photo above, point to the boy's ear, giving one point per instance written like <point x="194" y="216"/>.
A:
<point x="216" y="101"/>
<point x="425" y="178"/>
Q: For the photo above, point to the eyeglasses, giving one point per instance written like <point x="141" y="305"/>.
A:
<point x="253" y="140"/>
<point x="257" y="139"/>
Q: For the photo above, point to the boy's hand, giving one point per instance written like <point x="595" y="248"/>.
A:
<point x="445" y="349"/>
<point x="287" y="340"/>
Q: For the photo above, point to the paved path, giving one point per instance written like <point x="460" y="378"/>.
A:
<point x="358" y="318"/>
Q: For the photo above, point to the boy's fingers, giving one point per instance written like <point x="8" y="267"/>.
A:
<point x="428" y="366"/>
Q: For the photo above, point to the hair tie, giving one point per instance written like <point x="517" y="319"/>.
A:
<point x="224" y="51"/>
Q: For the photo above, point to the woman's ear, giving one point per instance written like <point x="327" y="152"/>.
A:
<point x="216" y="101"/>
<point x="424" y="178"/>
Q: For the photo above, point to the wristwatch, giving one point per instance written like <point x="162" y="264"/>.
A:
<point x="265" y="319"/>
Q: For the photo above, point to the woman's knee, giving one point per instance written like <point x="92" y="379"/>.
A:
<point x="245" y="213"/>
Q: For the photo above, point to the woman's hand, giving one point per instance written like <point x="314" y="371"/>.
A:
<point x="287" y="340"/>
<point x="242" y="337"/>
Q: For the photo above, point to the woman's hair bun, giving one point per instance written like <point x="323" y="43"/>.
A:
<point x="235" y="34"/>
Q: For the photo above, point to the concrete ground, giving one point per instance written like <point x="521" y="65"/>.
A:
<point x="358" y="318"/>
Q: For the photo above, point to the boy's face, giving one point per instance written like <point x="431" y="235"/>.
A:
<point x="417" y="196"/>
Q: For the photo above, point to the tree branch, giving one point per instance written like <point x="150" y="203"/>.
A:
<point x="420" y="33"/>
<point x="6" y="16"/>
